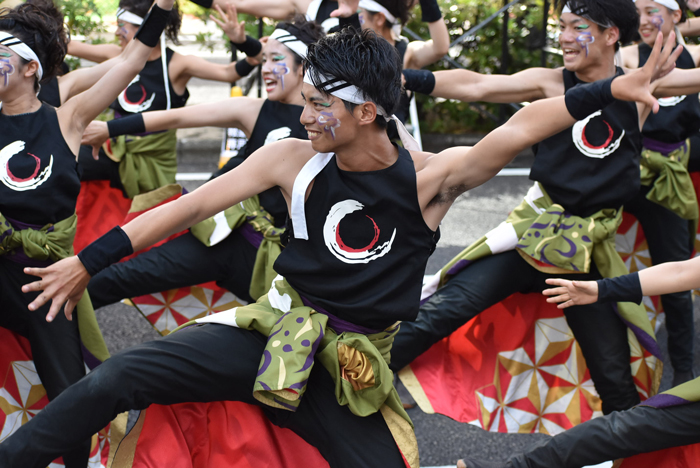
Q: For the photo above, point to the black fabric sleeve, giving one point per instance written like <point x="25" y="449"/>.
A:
<point x="251" y="46"/>
<point x="203" y="3"/>
<point x="129" y="125"/>
<point x="106" y="250"/>
<point x="431" y="11"/>
<point x="584" y="99"/>
<point x="626" y="288"/>
<point x="419" y="81"/>
<point x="153" y="26"/>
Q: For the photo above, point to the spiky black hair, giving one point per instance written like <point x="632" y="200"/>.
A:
<point x="620" y="13"/>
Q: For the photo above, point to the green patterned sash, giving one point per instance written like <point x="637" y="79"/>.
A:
<point x="249" y="211"/>
<point x="297" y="337"/>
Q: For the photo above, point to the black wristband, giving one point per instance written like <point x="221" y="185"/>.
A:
<point x="129" y="125"/>
<point x="251" y="46"/>
<point x="243" y="68"/>
<point x="106" y="250"/>
<point x="585" y="99"/>
<point x="626" y="288"/>
<point x="431" y="11"/>
<point x="203" y="3"/>
<point x="153" y="26"/>
<point x="420" y="81"/>
<point x="696" y="13"/>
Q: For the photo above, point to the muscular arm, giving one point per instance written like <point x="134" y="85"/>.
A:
<point x="77" y="81"/>
<point x="273" y="9"/>
<point x="527" y="85"/>
<point x="186" y="67"/>
<point x="422" y="53"/>
<point x="677" y="83"/>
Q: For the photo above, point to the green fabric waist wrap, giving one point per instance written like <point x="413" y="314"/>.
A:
<point x="557" y="242"/>
<point x="146" y="162"/>
<point x="55" y="242"/>
<point x="248" y="211"/>
<point x="298" y="336"/>
<point x="671" y="185"/>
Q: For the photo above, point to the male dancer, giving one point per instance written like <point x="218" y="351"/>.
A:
<point x="589" y="169"/>
<point x="350" y="274"/>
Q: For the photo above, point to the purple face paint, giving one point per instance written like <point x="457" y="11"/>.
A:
<point x="658" y="21"/>
<point x="584" y="39"/>
<point x="279" y="71"/>
<point x="6" y="69"/>
<point x="328" y="122"/>
<point x="361" y="18"/>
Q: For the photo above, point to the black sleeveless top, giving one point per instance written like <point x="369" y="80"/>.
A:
<point x="38" y="171"/>
<point x="147" y="91"/>
<point x="50" y="93"/>
<point x="276" y="121"/>
<point x="368" y="245"/>
<point x="594" y="164"/>
<point x="679" y="116"/>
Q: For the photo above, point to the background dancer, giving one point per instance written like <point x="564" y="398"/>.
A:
<point x="328" y="277"/>
<point x="671" y="419"/>
<point x="190" y="259"/>
<point x="666" y="206"/>
<point x="40" y="180"/>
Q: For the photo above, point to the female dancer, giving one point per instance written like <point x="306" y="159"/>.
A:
<point x="666" y="205"/>
<point x="39" y="176"/>
<point x="143" y="162"/>
<point x="189" y="259"/>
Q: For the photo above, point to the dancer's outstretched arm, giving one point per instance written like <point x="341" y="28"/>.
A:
<point x="665" y="278"/>
<point x="422" y="53"/>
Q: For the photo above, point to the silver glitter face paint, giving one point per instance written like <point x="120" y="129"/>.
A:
<point x="6" y="68"/>
<point x="328" y="122"/>
<point x="584" y="39"/>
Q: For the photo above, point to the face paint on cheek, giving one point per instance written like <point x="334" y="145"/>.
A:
<point x="361" y="18"/>
<point x="279" y="71"/>
<point x="584" y="39"/>
<point x="329" y="122"/>
<point x="6" y="68"/>
<point x="658" y="21"/>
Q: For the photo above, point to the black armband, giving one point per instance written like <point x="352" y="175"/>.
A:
<point x="105" y="251"/>
<point x="626" y="288"/>
<point x="431" y="11"/>
<point x="203" y="3"/>
<point x="585" y="99"/>
<point x="153" y="26"/>
<point x="251" y="46"/>
<point x="243" y="68"/>
<point x="130" y="125"/>
<point x="420" y="81"/>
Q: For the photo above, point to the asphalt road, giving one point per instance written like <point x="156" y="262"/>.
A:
<point x="441" y="440"/>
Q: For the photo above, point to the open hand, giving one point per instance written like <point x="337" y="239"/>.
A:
<point x="635" y="86"/>
<point x="64" y="282"/>
<point x="229" y="23"/>
<point x="95" y="134"/>
<point x="571" y="293"/>
<point x="346" y="8"/>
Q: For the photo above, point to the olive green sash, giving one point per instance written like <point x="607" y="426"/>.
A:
<point x="251" y="212"/>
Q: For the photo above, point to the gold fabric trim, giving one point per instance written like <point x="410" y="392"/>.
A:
<point x="403" y="434"/>
<point x="355" y="368"/>
<point x="124" y="456"/>
<point x="150" y="199"/>
<point x="117" y="431"/>
<point x="410" y="381"/>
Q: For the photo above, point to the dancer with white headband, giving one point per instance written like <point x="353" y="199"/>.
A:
<point x="237" y="247"/>
<point x="40" y="185"/>
<point x="353" y="267"/>
<point x="666" y="205"/>
<point x="144" y="162"/>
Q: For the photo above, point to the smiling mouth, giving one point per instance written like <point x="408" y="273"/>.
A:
<point x="570" y="53"/>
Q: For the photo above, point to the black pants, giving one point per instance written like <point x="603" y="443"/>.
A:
<point x="597" y="328"/>
<point x="101" y="169"/>
<point x="617" y="435"/>
<point x="669" y="240"/>
<point x="183" y="261"/>
<point x="55" y="346"/>
<point x="203" y="363"/>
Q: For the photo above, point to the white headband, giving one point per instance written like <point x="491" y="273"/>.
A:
<point x="371" y="5"/>
<point x="583" y="13"/>
<point x="129" y="17"/>
<point x="671" y="4"/>
<point x="21" y="49"/>
<point x="290" y="40"/>
<point x="352" y="94"/>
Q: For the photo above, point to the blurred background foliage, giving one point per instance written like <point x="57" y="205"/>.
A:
<point x="481" y="52"/>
